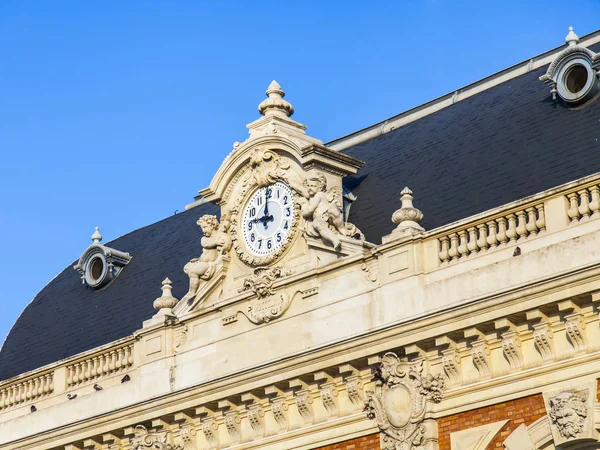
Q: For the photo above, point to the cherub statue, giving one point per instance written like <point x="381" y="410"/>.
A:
<point x="322" y="210"/>
<point x="215" y="242"/>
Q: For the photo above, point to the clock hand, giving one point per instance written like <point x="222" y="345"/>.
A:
<point x="266" y="212"/>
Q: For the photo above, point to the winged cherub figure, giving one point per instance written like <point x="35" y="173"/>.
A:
<point x="215" y="242"/>
<point x="322" y="210"/>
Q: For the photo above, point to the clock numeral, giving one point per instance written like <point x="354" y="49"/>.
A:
<point x="285" y="199"/>
<point x="252" y="212"/>
<point x="269" y="244"/>
<point x="259" y="201"/>
<point x="252" y="237"/>
<point x="249" y="226"/>
<point x="268" y="193"/>
<point x="259" y="243"/>
<point x="288" y="212"/>
<point x="278" y="193"/>
<point x="285" y="226"/>
<point x="279" y="236"/>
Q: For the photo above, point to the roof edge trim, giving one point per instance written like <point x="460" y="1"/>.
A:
<point x="449" y="99"/>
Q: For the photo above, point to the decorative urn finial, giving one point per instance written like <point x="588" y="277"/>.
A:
<point x="572" y="38"/>
<point x="96" y="237"/>
<point x="166" y="301"/>
<point x="406" y="218"/>
<point x="275" y="105"/>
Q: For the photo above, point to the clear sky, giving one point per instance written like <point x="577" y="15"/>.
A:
<point x="115" y="113"/>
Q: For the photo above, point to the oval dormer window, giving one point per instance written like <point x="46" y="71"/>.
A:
<point x="100" y="264"/>
<point x="573" y="75"/>
<point x="96" y="270"/>
<point x="576" y="80"/>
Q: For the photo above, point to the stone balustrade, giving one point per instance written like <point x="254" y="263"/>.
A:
<point x="98" y="366"/>
<point x="24" y="391"/>
<point x="584" y="203"/>
<point x="492" y="233"/>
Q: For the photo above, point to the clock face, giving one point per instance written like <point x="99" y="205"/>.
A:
<point x="268" y="218"/>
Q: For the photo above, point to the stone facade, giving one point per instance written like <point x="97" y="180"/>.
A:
<point x="295" y="332"/>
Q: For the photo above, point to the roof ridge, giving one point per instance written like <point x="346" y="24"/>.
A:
<point x="431" y="106"/>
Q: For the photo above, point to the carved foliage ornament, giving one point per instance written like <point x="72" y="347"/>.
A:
<point x="399" y="401"/>
<point x="143" y="439"/>
<point x="267" y="305"/>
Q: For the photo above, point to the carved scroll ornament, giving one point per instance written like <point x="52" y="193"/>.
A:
<point x="399" y="401"/>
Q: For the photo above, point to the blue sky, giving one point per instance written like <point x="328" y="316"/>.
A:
<point x="115" y="113"/>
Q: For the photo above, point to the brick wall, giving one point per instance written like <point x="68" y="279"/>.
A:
<point x="523" y="410"/>
<point x="370" y="442"/>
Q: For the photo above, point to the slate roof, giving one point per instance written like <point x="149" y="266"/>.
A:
<point x="503" y="144"/>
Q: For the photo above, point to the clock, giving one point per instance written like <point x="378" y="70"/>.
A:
<point x="268" y="219"/>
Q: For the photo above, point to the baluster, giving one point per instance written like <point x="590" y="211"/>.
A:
<point x="29" y="390"/>
<point x="584" y="207"/>
<point x="70" y="376"/>
<point x="88" y="369"/>
<point x="453" y="251"/>
<point x="541" y="218"/>
<point x="444" y="243"/>
<point x="43" y="390"/>
<point x="113" y="360"/>
<point x="120" y="353"/>
<point x="531" y="219"/>
<point x="101" y="359"/>
<point x="106" y="363"/>
<point x="573" y="211"/>
<point x="128" y="357"/>
<point x="13" y="395"/>
<point x="595" y="203"/>
<point x="482" y="240"/>
<point x="18" y="396"/>
<point x="491" y="239"/>
<point x="2" y="398"/>
<point x="511" y="232"/>
<point x="37" y="391"/>
<point x="462" y="244"/>
<point x="81" y="367"/>
<point x="472" y="241"/>
<point x="50" y="382"/>
<point x="521" y="225"/>
<point x="93" y="363"/>
<point x="501" y="236"/>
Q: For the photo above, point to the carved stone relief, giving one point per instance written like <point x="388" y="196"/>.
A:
<point x="216" y="243"/>
<point x="143" y="439"/>
<point x="399" y="401"/>
<point x="322" y="212"/>
<point x="571" y="414"/>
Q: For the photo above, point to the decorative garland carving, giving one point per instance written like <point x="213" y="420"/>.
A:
<point x="399" y="400"/>
<point x="157" y="441"/>
<point x="265" y="167"/>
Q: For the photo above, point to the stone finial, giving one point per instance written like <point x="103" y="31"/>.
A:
<point x="407" y="218"/>
<point x="275" y="105"/>
<point x="96" y="237"/>
<point x="166" y="301"/>
<point x="572" y="38"/>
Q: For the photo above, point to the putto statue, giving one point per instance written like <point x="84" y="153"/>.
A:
<point x="215" y="243"/>
<point x="322" y="211"/>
